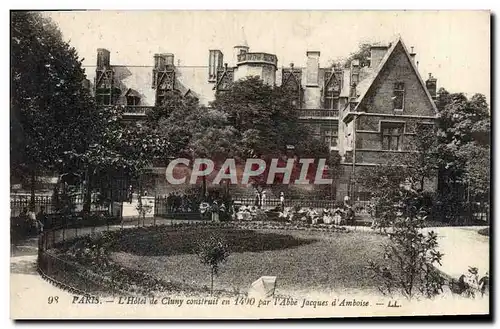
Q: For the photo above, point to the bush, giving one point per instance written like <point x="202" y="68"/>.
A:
<point x="411" y="256"/>
<point x="212" y="252"/>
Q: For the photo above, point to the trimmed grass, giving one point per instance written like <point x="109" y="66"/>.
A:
<point x="301" y="260"/>
<point x="162" y="242"/>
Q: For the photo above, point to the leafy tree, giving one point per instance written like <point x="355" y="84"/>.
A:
<point x="410" y="255"/>
<point x="265" y="125"/>
<point x="464" y="148"/>
<point x="412" y="169"/>
<point x="362" y="54"/>
<point x="51" y="110"/>
<point x="194" y="131"/>
<point x="121" y="149"/>
<point x="213" y="251"/>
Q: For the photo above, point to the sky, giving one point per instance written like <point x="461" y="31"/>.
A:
<point x="452" y="45"/>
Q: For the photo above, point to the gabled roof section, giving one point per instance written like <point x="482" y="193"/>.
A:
<point x="132" y="92"/>
<point x="334" y="78"/>
<point x="365" y="85"/>
<point x="291" y="75"/>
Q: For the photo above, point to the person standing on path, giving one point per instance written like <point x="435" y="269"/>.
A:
<point x="41" y="219"/>
<point x="262" y="200"/>
<point x="215" y="212"/>
<point x="130" y="194"/>
<point x="282" y="201"/>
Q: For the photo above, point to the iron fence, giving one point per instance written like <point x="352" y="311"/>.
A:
<point x="67" y="274"/>
<point x="275" y="202"/>
<point x="19" y="202"/>
<point x="165" y="207"/>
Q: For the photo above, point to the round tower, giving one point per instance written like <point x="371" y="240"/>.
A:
<point x="241" y="47"/>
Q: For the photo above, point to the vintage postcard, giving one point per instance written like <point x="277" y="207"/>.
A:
<point x="249" y="164"/>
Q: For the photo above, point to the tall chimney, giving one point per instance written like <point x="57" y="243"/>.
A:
<point x="412" y="54"/>
<point x="354" y="79"/>
<point x="215" y="62"/>
<point x="431" y="85"/>
<point x="354" y="71"/>
<point x="376" y="55"/>
<point x="169" y="59"/>
<point x="102" y="58"/>
<point x="160" y="62"/>
<point x="312" y="72"/>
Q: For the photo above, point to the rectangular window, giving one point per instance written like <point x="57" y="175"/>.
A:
<point x="331" y="102"/>
<point x="103" y="99"/>
<point x="106" y="99"/>
<point x="326" y="133"/>
<point x="355" y="78"/>
<point x="330" y="137"/>
<point x="392" y="135"/>
<point x="398" y="97"/>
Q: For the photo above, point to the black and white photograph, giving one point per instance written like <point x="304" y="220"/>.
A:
<point x="190" y="164"/>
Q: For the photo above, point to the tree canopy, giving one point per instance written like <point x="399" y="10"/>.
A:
<point x="251" y="120"/>
<point x="52" y="112"/>
<point x="56" y="126"/>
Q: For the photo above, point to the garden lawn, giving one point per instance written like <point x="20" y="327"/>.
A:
<point x="301" y="260"/>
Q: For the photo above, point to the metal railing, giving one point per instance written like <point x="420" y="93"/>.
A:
<point x="72" y="276"/>
<point x="19" y="202"/>
<point x="317" y="113"/>
<point x="142" y="110"/>
<point x="139" y="110"/>
<point x="258" y="57"/>
<point x="165" y="207"/>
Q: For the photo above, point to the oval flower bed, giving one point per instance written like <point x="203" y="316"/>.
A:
<point x="162" y="258"/>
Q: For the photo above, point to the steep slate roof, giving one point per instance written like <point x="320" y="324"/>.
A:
<point x="194" y="80"/>
<point x="365" y="85"/>
<point x="139" y="79"/>
<point x="346" y="82"/>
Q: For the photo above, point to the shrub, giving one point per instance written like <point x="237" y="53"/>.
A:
<point x="410" y="258"/>
<point x="212" y="252"/>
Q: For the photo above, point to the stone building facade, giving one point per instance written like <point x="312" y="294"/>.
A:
<point x="361" y="112"/>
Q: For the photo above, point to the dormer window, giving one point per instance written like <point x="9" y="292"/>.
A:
<point x="398" y="97"/>
<point x="103" y="99"/>
<point x="331" y="90"/>
<point x="291" y="79"/>
<point x="133" y="100"/>
<point x="355" y="78"/>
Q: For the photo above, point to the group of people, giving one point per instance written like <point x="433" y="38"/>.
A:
<point x="246" y="213"/>
<point x="336" y="215"/>
<point x="217" y="210"/>
<point x="182" y="203"/>
<point x="33" y="222"/>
